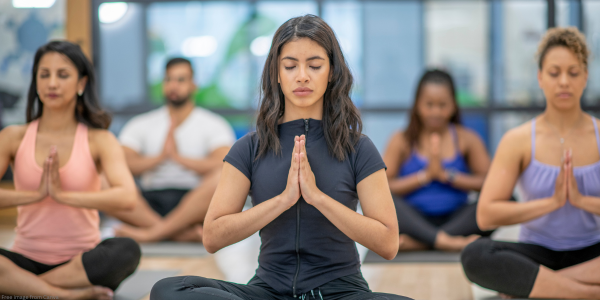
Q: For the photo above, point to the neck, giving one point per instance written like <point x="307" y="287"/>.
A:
<point x="563" y="120"/>
<point x="293" y="112"/>
<point x="180" y="113"/>
<point x="57" y="120"/>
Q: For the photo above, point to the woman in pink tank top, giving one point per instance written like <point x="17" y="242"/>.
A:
<point x="56" y="160"/>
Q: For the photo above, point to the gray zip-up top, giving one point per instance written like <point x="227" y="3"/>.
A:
<point x="301" y="249"/>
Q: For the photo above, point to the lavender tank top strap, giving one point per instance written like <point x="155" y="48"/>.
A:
<point x="597" y="136"/>
<point x="533" y="139"/>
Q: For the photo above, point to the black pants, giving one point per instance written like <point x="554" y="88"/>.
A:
<point x="107" y="265"/>
<point x="424" y="229"/>
<point x="351" y="287"/>
<point x="511" y="268"/>
<point x="164" y="201"/>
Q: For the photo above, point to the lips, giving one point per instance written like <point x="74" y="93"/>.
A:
<point x="52" y="95"/>
<point x="302" y="91"/>
<point x="564" y="95"/>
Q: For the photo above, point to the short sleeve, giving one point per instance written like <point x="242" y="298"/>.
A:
<point x="131" y="136"/>
<point x="367" y="159"/>
<point x="221" y="134"/>
<point x="241" y="154"/>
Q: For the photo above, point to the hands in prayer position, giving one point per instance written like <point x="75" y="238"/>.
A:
<point x="301" y="179"/>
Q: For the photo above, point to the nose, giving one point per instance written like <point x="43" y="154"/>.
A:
<point x="53" y="81"/>
<point x="303" y="75"/>
<point x="563" y="79"/>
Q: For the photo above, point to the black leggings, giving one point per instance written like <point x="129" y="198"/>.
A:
<point x="425" y="228"/>
<point x="511" y="268"/>
<point x="351" y="287"/>
<point x="107" y="265"/>
<point x="164" y="201"/>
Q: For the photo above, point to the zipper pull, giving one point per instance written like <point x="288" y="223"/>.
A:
<point x="305" y="127"/>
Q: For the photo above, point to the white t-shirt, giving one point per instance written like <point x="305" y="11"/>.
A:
<point x="199" y="134"/>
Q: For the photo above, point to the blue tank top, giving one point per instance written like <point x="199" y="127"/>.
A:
<point x="436" y="198"/>
<point x="567" y="228"/>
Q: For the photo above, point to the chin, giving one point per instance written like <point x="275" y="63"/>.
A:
<point x="303" y="102"/>
<point x="566" y="104"/>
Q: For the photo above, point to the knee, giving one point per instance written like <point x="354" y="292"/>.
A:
<point x="112" y="261"/>
<point x="126" y="253"/>
<point x="473" y="257"/>
<point x="165" y="288"/>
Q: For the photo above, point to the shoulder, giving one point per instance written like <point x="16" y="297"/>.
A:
<point x="12" y="135"/>
<point x="365" y="146"/>
<point x="398" y="139"/>
<point x="102" y="138"/>
<point x="468" y="135"/>
<point x="13" y="132"/>
<point x="516" y="140"/>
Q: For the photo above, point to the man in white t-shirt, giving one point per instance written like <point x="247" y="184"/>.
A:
<point x="177" y="151"/>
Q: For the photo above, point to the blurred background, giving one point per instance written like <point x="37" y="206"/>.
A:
<point x="487" y="45"/>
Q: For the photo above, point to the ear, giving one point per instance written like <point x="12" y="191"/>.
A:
<point x="330" y="73"/>
<point x="81" y="84"/>
<point x="539" y="77"/>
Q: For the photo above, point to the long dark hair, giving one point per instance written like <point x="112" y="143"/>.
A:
<point x="87" y="110"/>
<point x="341" y="120"/>
<point x="415" y="124"/>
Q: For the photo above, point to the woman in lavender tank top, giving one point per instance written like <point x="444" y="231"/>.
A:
<point x="555" y="161"/>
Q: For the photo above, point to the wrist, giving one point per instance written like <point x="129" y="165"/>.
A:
<point x="424" y="178"/>
<point x="315" y="199"/>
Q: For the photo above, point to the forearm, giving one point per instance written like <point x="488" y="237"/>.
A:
<point x="200" y="166"/>
<point x="230" y="229"/>
<point x="589" y="204"/>
<point x="467" y="182"/>
<point x="141" y="164"/>
<point x="12" y="198"/>
<point x="501" y="213"/>
<point x="366" y="231"/>
<point x="406" y="184"/>
<point x="112" y="199"/>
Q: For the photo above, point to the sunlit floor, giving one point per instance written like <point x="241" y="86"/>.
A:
<point x="237" y="263"/>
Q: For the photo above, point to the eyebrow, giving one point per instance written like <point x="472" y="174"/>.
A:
<point x="309" y="59"/>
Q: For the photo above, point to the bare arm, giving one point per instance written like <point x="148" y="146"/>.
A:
<point x="478" y="161"/>
<point x="377" y="229"/>
<point x="494" y="208"/>
<point x="396" y="152"/>
<point x="10" y="138"/>
<point x="226" y="223"/>
<point x="138" y="164"/>
<point x="202" y="166"/>
<point x="122" y="192"/>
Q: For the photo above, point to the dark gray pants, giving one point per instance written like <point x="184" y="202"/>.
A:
<point x="351" y="287"/>
<point x="424" y="229"/>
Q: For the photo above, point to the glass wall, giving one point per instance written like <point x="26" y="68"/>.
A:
<point x="488" y="46"/>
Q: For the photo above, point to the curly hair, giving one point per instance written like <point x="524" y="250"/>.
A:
<point x="569" y="37"/>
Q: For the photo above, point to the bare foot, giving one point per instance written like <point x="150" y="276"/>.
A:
<point x="94" y="292"/>
<point x="505" y="296"/>
<point x="449" y="243"/>
<point x="192" y="234"/>
<point x="409" y="244"/>
<point x="140" y="235"/>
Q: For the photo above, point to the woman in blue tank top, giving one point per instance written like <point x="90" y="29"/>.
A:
<point x="555" y="162"/>
<point x="431" y="168"/>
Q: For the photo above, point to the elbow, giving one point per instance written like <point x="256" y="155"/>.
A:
<point x="209" y="244"/>
<point x="129" y="201"/>
<point x="390" y="249"/>
<point x="483" y="222"/>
